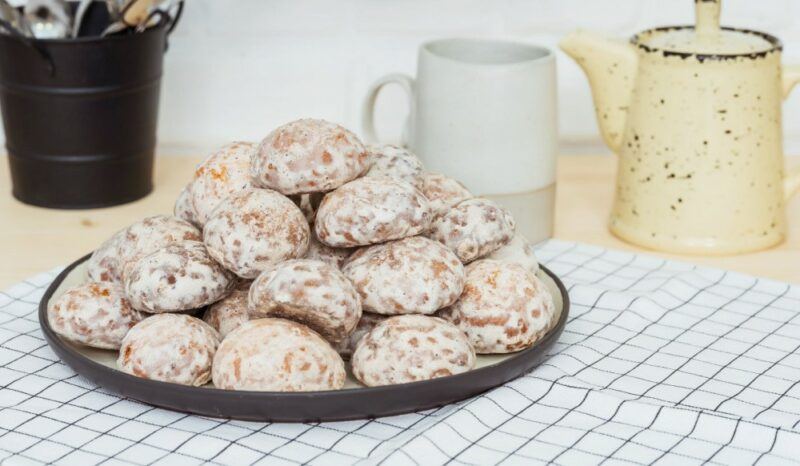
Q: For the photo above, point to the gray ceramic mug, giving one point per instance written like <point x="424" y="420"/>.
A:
<point x="484" y="112"/>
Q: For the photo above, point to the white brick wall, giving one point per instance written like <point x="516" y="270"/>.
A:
<point x="237" y="68"/>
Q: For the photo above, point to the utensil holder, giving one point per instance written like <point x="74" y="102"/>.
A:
<point x="80" y="115"/>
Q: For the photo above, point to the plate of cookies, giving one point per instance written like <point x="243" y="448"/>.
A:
<point x="306" y="278"/>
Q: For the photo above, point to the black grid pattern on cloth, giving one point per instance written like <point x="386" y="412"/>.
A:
<point x="660" y="362"/>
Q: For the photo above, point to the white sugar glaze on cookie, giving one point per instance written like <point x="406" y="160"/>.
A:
<point x="173" y="348"/>
<point x="504" y="308"/>
<point x="308" y="204"/>
<point x="95" y="314"/>
<point x="517" y="251"/>
<point x="225" y="172"/>
<point x="184" y="208"/>
<point x="395" y="162"/>
<point x="371" y="210"/>
<point x="229" y="313"/>
<point x="367" y="322"/>
<point x="443" y="192"/>
<point x="308" y="156"/>
<point x="409" y="276"/>
<point x="255" y="228"/>
<point x="474" y="228"/>
<point x="277" y="355"/>
<point x="137" y="240"/>
<point x="179" y="277"/>
<point x="411" y="348"/>
<point x="311" y="292"/>
<point x="325" y="253"/>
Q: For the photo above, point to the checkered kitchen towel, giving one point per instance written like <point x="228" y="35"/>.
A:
<point x="660" y="362"/>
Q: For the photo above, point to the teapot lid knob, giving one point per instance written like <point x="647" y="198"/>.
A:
<point x="707" y="16"/>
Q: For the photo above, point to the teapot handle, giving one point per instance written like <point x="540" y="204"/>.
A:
<point x="791" y="77"/>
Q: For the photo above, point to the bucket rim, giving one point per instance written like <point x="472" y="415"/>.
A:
<point x="95" y="39"/>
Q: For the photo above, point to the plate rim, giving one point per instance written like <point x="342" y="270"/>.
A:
<point x="95" y="370"/>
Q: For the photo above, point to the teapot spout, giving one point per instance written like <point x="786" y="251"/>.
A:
<point x="610" y="65"/>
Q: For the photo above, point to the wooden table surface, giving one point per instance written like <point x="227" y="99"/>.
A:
<point x="34" y="240"/>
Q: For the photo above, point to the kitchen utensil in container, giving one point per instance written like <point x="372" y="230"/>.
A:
<point x="14" y="20"/>
<point x="135" y="13"/>
<point x="484" y="112"/>
<point x="80" y="116"/>
<point x="49" y="19"/>
<point x="694" y="113"/>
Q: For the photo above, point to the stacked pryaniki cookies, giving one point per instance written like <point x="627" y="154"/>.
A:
<point x="303" y="250"/>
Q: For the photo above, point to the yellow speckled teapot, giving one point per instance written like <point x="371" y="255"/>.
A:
<point x="694" y="113"/>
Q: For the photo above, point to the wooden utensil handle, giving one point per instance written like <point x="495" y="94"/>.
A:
<point x="136" y="12"/>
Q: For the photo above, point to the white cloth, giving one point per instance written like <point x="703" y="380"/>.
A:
<point x="659" y="362"/>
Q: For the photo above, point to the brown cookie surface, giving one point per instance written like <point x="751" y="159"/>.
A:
<point x="410" y="348"/>
<point x="371" y="210"/>
<point x="395" y="162"/>
<point x="173" y="348"/>
<point x="409" y="276"/>
<point x="325" y="253"/>
<point x="474" y="228"/>
<point x="277" y="355"/>
<point x="517" y="251"/>
<point x="137" y="240"/>
<point x="311" y="292"/>
<point x="367" y="322"/>
<point x="184" y="208"/>
<point x="255" y="228"/>
<point x="504" y="308"/>
<point x="178" y="277"/>
<point x="308" y="204"/>
<point x="443" y="192"/>
<point x="225" y="172"/>
<point x="308" y="156"/>
<point x="93" y="314"/>
<point x="229" y="313"/>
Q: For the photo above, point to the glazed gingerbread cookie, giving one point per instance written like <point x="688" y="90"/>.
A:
<point x="367" y="322"/>
<point x="395" y="162"/>
<point x="308" y="204"/>
<point x="277" y="355"/>
<point x="311" y="292"/>
<point x="443" y="192"/>
<point x="325" y="253"/>
<point x="184" y="208"/>
<point x="178" y="277"/>
<point x="225" y="172"/>
<point x="474" y="228"/>
<point x="228" y="314"/>
<point x="504" y="308"/>
<point x="135" y="241"/>
<point x="93" y="314"/>
<point x="518" y="251"/>
<point x="371" y="210"/>
<point x="255" y="228"/>
<point x="173" y="348"/>
<point x="308" y="156"/>
<point x="409" y="276"/>
<point x="411" y="348"/>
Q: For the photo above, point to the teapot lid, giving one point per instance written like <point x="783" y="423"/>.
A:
<point x="706" y="38"/>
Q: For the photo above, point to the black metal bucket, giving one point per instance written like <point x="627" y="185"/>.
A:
<point x="80" y="116"/>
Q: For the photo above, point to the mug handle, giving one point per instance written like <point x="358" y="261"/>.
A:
<point x="791" y="76"/>
<point x="368" y="110"/>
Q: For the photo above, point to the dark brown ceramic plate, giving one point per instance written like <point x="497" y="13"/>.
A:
<point x="353" y="402"/>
